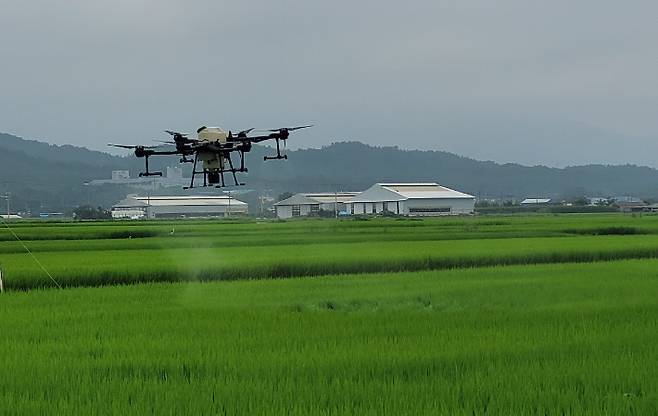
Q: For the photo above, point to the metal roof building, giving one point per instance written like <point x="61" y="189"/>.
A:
<point x="413" y="199"/>
<point x="301" y="205"/>
<point x="136" y="207"/>
<point x="536" y="201"/>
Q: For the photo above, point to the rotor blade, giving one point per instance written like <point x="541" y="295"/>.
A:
<point x="245" y="132"/>
<point x="288" y="128"/>
<point x="163" y="141"/>
<point x="123" y="146"/>
<point x="299" y="127"/>
<point x="173" y="133"/>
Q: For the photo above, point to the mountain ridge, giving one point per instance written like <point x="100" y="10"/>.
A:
<point x="42" y="176"/>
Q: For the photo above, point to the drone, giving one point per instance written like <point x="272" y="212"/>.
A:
<point x="213" y="148"/>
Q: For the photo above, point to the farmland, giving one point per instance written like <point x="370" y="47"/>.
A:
<point x="491" y="315"/>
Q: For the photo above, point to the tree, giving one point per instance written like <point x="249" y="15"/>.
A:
<point x="87" y="212"/>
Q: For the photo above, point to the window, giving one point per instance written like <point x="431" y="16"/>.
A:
<point x="436" y="209"/>
<point x="296" y="210"/>
<point x="315" y="209"/>
<point x="352" y="208"/>
<point x="374" y="208"/>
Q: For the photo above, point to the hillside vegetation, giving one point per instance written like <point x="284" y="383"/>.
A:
<point x="44" y="177"/>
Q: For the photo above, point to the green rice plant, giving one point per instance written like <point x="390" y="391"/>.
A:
<point x="547" y="339"/>
<point x="134" y="264"/>
<point x="461" y="227"/>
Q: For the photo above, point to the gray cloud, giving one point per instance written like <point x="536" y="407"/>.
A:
<point x="534" y="82"/>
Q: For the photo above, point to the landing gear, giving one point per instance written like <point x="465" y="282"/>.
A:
<point x="147" y="173"/>
<point x="215" y="177"/>
<point x="278" y="153"/>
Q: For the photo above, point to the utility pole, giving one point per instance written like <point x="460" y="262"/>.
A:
<point x="7" y="196"/>
<point x="336" y="203"/>
<point x="228" y="213"/>
<point x="261" y="199"/>
<point x="148" y="199"/>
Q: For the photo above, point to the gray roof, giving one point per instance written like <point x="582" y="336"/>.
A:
<point x="130" y="202"/>
<point x="297" y="199"/>
<point x="404" y="191"/>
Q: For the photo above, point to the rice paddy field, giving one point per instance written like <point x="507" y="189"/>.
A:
<point x="539" y="315"/>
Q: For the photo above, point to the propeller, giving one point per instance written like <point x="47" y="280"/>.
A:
<point x="125" y="146"/>
<point x="299" y="127"/>
<point x="244" y="133"/>
<point x="175" y="133"/>
<point x="180" y="137"/>
<point x="288" y="128"/>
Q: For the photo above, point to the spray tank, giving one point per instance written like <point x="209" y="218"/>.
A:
<point x="213" y="163"/>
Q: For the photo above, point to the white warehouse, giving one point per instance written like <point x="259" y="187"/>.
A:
<point x="412" y="199"/>
<point x="302" y="205"/>
<point x="138" y="207"/>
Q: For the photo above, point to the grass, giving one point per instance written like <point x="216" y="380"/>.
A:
<point x="546" y="339"/>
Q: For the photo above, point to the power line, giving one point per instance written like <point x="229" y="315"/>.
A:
<point x="36" y="260"/>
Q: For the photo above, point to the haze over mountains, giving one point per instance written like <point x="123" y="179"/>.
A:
<point x="44" y="177"/>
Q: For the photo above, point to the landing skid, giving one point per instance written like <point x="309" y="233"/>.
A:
<point x="215" y="177"/>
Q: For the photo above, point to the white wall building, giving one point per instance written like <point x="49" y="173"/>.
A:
<point x="413" y="199"/>
<point x="302" y="205"/>
<point x="120" y="175"/>
<point x="137" y="207"/>
<point x="10" y="217"/>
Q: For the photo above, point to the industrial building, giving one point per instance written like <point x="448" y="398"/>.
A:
<point x="412" y="199"/>
<point x="139" y="207"/>
<point x="10" y="217"/>
<point x="532" y="202"/>
<point x="173" y="177"/>
<point x="302" y="205"/>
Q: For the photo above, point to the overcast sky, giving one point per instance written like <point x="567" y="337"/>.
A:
<point x="552" y="82"/>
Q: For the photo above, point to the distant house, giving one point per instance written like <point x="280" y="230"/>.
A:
<point x="630" y="204"/>
<point x="627" y="200"/>
<point x="596" y="201"/>
<point x="531" y="202"/>
<point x="305" y="204"/>
<point x="633" y="206"/>
<point x="413" y="199"/>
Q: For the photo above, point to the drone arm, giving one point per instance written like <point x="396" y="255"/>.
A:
<point x="258" y="139"/>
<point x="146" y="153"/>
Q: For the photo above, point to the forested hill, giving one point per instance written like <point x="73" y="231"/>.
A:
<point x="50" y="178"/>
<point x="354" y="166"/>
